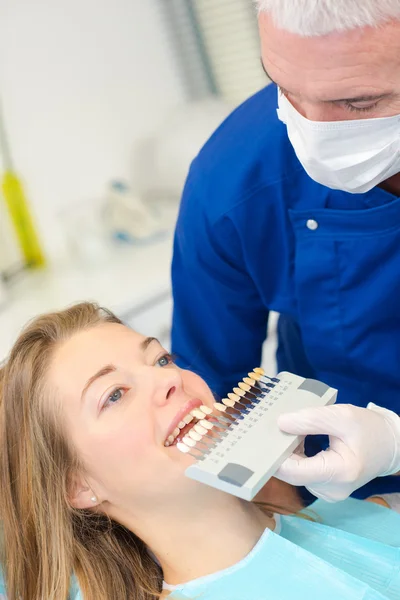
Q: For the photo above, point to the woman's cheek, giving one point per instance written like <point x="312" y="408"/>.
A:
<point x="196" y="386"/>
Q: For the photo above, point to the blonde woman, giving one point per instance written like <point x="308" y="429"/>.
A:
<point x="96" y="506"/>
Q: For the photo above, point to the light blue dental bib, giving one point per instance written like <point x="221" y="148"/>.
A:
<point x="353" y="555"/>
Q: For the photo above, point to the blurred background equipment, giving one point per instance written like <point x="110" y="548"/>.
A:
<point x="127" y="218"/>
<point x="17" y="205"/>
<point x="96" y="92"/>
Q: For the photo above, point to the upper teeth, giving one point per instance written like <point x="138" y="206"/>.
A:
<point x="196" y="413"/>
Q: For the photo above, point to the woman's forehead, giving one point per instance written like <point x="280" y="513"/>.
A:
<point x="102" y="337"/>
<point x="87" y="351"/>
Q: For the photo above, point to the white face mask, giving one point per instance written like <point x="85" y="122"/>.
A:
<point x="353" y="156"/>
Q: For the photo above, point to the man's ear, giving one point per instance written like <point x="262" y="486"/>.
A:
<point x="80" y="494"/>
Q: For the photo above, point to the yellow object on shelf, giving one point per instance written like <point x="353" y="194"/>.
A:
<point x="18" y="206"/>
<point x="21" y="218"/>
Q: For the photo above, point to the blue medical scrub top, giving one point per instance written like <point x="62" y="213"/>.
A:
<point x="244" y="245"/>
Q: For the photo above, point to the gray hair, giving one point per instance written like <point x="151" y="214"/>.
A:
<point x="320" y="17"/>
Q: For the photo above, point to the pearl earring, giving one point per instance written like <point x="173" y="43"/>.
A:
<point x="93" y="499"/>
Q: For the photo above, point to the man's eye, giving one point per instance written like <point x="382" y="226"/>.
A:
<point x="360" y="108"/>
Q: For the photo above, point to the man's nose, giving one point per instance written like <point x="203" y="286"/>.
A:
<point x="167" y="383"/>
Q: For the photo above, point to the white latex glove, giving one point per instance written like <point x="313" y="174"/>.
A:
<point x="364" y="443"/>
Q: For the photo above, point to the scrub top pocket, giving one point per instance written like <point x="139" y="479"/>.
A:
<point x="347" y="285"/>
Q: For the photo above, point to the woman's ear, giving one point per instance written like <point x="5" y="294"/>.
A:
<point x="80" y="494"/>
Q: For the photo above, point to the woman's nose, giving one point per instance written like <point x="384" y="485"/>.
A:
<point x="169" y="382"/>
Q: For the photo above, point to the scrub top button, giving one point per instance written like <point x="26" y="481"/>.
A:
<point x="311" y="224"/>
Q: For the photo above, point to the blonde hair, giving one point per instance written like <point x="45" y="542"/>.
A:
<point x="45" y="539"/>
<point x="321" y="17"/>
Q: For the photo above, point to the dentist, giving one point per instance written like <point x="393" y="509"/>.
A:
<point x="293" y="206"/>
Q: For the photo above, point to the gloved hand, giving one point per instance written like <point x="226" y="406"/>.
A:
<point x="364" y="443"/>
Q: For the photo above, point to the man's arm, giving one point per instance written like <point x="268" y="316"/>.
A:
<point x="219" y="320"/>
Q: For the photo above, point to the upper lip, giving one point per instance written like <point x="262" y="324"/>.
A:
<point x="182" y="412"/>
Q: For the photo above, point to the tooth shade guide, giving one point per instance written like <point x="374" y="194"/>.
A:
<point x="244" y="386"/>
<point x="253" y="395"/>
<point x="259" y="370"/>
<point x="182" y="447"/>
<point x="229" y="401"/>
<point x="196" y="412"/>
<point x="188" y="441"/>
<point x="243" y="395"/>
<point x="262" y="383"/>
<point x="206" y="424"/>
<point x="242" y="458"/>
<point x="186" y="450"/>
<point x="250" y="389"/>
<point x="236" y="399"/>
<point x="230" y="414"/>
<point x="225" y="411"/>
<point x="255" y="377"/>
<point x="221" y="421"/>
<point x="249" y="381"/>
<point x="194" y="435"/>
<point x="263" y="378"/>
<point x="200" y="429"/>
<point x="238" y="392"/>
<point x="240" y="405"/>
<point x="222" y="424"/>
<point x="206" y="409"/>
<point x="236" y="410"/>
<point x="245" y="401"/>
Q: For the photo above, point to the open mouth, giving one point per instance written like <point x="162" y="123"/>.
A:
<point x="194" y="423"/>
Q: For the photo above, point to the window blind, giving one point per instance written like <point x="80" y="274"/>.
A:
<point x="218" y="46"/>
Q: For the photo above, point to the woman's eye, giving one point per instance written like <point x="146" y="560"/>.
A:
<point x="114" y="398"/>
<point x="165" y="360"/>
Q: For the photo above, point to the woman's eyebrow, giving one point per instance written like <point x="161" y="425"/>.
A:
<point x="103" y="371"/>
<point x="146" y="343"/>
<point x="111" y="368"/>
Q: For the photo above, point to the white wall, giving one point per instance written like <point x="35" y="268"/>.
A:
<point x="80" y="80"/>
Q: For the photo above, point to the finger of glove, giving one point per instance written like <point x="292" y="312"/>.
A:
<point x="327" y="420"/>
<point x="331" y="493"/>
<point x="318" y="469"/>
